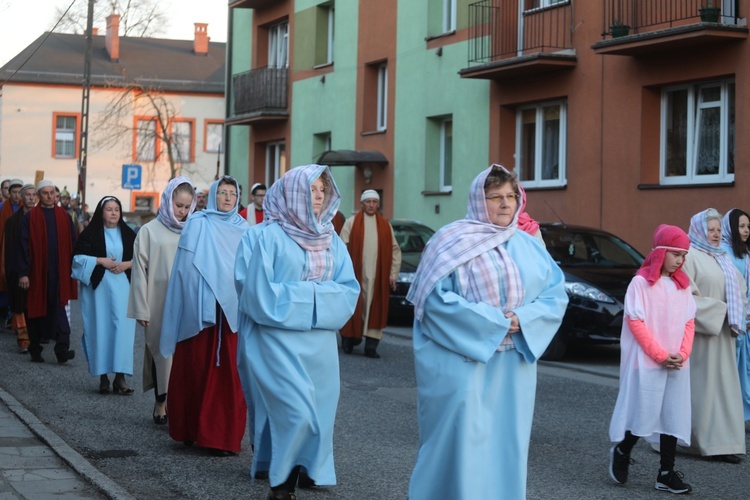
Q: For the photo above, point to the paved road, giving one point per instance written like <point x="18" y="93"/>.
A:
<point x="376" y="436"/>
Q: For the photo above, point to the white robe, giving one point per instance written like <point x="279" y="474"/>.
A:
<point x="153" y="255"/>
<point x="652" y="399"/>
<point x="370" y="265"/>
<point x="718" y="422"/>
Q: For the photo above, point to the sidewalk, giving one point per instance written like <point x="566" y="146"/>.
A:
<point x="36" y="464"/>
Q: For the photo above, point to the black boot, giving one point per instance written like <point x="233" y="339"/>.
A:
<point x="347" y="344"/>
<point x="371" y="347"/>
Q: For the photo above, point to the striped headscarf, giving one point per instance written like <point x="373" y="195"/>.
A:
<point x="741" y="263"/>
<point x="165" y="213"/>
<point x="288" y="202"/>
<point x="698" y="234"/>
<point x="473" y="247"/>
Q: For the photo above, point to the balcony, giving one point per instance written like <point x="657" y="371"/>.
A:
<point x="260" y="96"/>
<point x="637" y="27"/>
<point x="252" y="4"/>
<point x="504" y="47"/>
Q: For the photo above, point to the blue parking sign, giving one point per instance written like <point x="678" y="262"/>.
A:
<point x="131" y="177"/>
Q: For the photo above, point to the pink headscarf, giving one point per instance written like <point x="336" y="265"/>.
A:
<point x="666" y="238"/>
<point x="525" y="222"/>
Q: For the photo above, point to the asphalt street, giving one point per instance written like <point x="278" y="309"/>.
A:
<point x="376" y="436"/>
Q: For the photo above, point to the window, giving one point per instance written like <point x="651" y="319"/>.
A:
<point x="275" y="161"/>
<point x="214" y="137"/>
<point x="540" y="4"/>
<point x="66" y="133"/>
<point x="321" y="144"/>
<point x="182" y="141"/>
<point x="328" y="13"/>
<point x="449" y="16"/>
<point x="446" y="154"/>
<point x="382" y="112"/>
<point x="540" y="144"/>
<point x="145" y="140"/>
<point x="697" y="133"/>
<point x="278" y="45"/>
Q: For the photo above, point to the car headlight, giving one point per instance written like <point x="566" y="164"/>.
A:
<point x="587" y="292"/>
<point x="405" y="277"/>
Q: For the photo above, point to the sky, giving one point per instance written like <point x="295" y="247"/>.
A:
<point x="23" y="21"/>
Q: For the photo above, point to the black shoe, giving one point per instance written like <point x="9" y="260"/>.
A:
<point x="618" y="465"/>
<point x="261" y="474"/>
<point x="222" y="453"/>
<point x="371" y="353"/>
<point x="347" y="345"/>
<point x="159" y="419"/>
<point x="281" y="495"/>
<point x="671" y="481"/>
<point x="103" y="385"/>
<point x="730" y="459"/>
<point x="304" y="481"/>
<point x="67" y="356"/>
<point x="37" y="358"/>
<point x="188" y="443"/>
<point x="121" y="388"/>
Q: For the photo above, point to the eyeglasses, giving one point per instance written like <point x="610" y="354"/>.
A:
<point x="231" y="194"/>
<point x="502" y="197"/>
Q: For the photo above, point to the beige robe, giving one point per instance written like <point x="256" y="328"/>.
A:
<point x="718" y="419"/>
<point x="369" y="266"/>
<point x="153" y="255"/>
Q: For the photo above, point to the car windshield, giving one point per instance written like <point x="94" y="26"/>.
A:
<point x="413" y="237"/>
<point x="570" y="247"/>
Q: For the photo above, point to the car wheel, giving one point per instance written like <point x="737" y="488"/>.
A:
<point x="555" y="350"/>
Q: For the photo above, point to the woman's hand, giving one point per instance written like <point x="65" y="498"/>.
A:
<point x="673" y="362"/>
<point x="23" y="282"/>
<point x="514" y="326"/>
<point x="142" y="322"/>
<point x="107" y="262"/>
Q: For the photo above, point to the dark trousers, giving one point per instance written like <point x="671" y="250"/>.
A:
<point x="53" y="326"/>
<point x="160" y="398"/>
<point x="667" y="448"/>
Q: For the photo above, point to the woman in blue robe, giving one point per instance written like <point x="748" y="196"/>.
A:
<point x="299" y="289"/>
<point x="101" y="263"/>
<point x="735" y="240"/>
<point x="488" y="299"/>
<point x="206" y="404"/>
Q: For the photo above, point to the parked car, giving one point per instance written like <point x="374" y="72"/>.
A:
<point x="412" y="237"/>
<point x="598" y="267"/>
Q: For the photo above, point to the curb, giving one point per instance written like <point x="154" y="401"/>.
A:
<point x="71" y="457"/>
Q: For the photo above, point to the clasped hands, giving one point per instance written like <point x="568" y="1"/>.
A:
<point x="673" y="362"/>
<point x="110" y="264"/>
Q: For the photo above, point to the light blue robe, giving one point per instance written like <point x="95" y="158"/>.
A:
<point x="475" y="404"/>
<point x="292" y="354"/>
<point x="246" y="325"/>
<point x="108" y="333"/>
<point x="743" y="346"/>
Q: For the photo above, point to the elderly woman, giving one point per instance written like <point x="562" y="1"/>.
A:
<point x="735" y="231"/>
<point x="301" y="290"/>
<point x="101" y="262"/>
<point x="488" y="299"/>
<point x="719" y="290"/>
<point x="206" y="404"/>
<point x="153" y="257"/>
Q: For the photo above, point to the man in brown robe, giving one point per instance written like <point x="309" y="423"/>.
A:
<point x="12" y="265"/>
<point x="376" y="257"/>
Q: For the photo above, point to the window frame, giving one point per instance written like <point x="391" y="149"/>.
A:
<point x="445" y="187"/>
<point x="538" y="181"/>
<point x="449" y="16"/>
<point x="76" y="135"/>
<point x="176" y="145"/>
<point x="277" y="148"/>
<point x="331" y="33"/>
<point x="278" y="31"/>
<point x="137" y="134"/>
<point x="382" y="102"/>
<point x="543" y="4"/>
<point x="207" y="124"/>
<point x="694" y="110"/>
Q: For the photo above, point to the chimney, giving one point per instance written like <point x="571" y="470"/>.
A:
<point x="94" y="31"/>
<point x="200" y="43"/>
<point x="112" y="40"/>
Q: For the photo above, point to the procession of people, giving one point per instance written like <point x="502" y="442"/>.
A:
<point x="244" y="316"/>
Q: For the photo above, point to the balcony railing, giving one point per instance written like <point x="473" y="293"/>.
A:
<point x="495" y="31"/>
<point x="261" y="91"/>
<point x="623" y="17"/>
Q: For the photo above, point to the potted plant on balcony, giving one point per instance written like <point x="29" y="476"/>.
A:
<point x="710" y="13"/>
<point x="618" y="29"/>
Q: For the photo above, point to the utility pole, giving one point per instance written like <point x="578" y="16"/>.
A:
<point x="84" y="136"/>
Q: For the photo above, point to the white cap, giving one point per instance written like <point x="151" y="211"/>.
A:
<point x="370" y="194"/>
<point x="43" y="184"/>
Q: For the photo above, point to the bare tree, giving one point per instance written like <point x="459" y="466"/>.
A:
<point x="158" y="139"/>
<point x="138" y="18"/>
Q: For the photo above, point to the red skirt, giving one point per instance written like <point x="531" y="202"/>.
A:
<point x="206" y="402"/>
